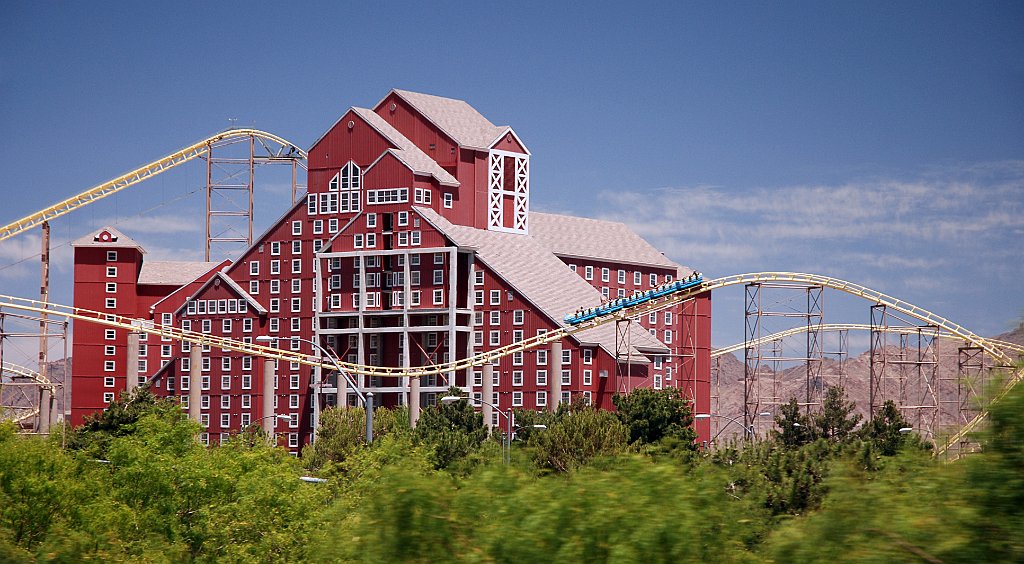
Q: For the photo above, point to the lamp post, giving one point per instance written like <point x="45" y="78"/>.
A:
<point x="505" y="441"/>
<point x="367" y="398"/>
<point x="748" y="432"/>
<point x="270" y="433"/>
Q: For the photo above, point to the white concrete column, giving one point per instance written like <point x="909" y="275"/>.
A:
<point x="267" y="419"/>
<point x="195" y="381"/>
<point x="45" y="405"/>
<point x="132" y="370"/>
<point x="414" y="401"/>
<point x="555" y="375"/>
<point x="487" y="393"/>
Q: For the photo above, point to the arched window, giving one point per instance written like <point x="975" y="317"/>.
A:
<point x="347" y="182"/>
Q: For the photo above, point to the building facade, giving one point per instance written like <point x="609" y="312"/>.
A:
<point x="414" y="245"/>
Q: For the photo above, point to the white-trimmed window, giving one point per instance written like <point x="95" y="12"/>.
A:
<point x="332" y="225"/>
<point x="566" y="356"/>
<point x="109" y="350"/>
<point x="622" y="276"/>
<point x="108" y="382"/>
<point x="403" y="218"/>
<point x="254" y="287"/>
<point x="225" y="325"/>
<point x="275" y="248"/>
<point x="542" y="377"/>
<point x="109" y="334"/>
<point x="588" y="356"/>
<point x="495" y="317"/>
<point x="111" y="272"/>
<point x="668" y="336"/>
<point x="371" y="220"/>
<point x="318" y="226"/>
<point x="108" y="397"/>
<point x="517" y="399"/>
<point x="111" y="256"/>
<point x="109" y="365"/>
<point x="542" y="398"/>
<point x="495" y="297"/>
<point x="518" y="316"/>
<point x="254" y="268"/>
<point x="495" y="338"/>
<point x="542" y="357"/>
<point x="478" y="297"/>
<point x="296" y="228"/>
<point x="668" y="318"/>
<point x="439" y="297"/>
<point x="605" y="275"/>
<point x="111" y="287"/>
<point x="225" y="384"/>
<point x="448" y="200"/>
<point x="588" y="377"/>
<point x="654" y="280"/>
<point x="414" y="238"/>
<point x="588" y="272"/>
<point x="110" y="303"/>
<point x="371" y="240"/>
<point x="296" y="266"/>
<point x="637" y="278"/>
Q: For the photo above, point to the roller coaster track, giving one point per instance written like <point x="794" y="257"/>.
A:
<point x="479" y="359"/>
<point x="284" y="149"/>
<point x="1005" y="346"/>
<point x="24" y="411"/>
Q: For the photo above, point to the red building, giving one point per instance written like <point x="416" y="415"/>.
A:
<point x="414" y="245"/>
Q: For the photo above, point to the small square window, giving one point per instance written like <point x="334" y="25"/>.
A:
<point x="111" y="256"/>
<point x="111" y="272"/>
<point x="110" y="303"/>
<point x="296" y="228"/>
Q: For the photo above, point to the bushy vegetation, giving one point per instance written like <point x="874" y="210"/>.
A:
<point x="584" y="485"/>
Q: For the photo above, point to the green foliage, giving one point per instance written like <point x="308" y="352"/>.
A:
<point x="343" y="430"/>
<point x="837" y="419"/>
<point x="653" y="415"/>
<point x="579" y="434"/>
<point x="118" y="420"/>
<point x="633" y="511"/>
<point x="997" y="479"/>
<point x="884" y="429"/>
<point x="794" y="429"/>
<point x="450" y="431"/>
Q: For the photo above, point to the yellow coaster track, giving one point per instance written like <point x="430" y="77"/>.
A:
<point x="145" y="172"/>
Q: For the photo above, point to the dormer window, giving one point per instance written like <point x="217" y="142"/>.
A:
<point x="347" y="182"/>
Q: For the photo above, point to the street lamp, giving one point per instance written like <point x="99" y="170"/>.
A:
<point x="367" y="399"/>
<point x="747" y="431"/>
<point x="505" y="441"/>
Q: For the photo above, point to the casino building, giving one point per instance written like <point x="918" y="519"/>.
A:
<point x="415" y="244"/>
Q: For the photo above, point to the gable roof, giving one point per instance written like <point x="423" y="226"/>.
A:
<point x="231" y="284"/>
<point x="222" y="265"/>
<point x="612" y="241"/>
<point x="407" y="152"/>
<point x="118" y="240"/>
<point x="173" y="272"/>
<point x="455" y="118"/>
<point x="542" y="279"/>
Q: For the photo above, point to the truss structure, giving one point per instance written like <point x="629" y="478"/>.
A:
<point x="762" y="388"/>
<point x="28" y="396"/>
<point x="230" y="181"/>
<point x="905" y="371"/>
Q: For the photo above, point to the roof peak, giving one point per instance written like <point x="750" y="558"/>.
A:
<point x="107" y="236"/>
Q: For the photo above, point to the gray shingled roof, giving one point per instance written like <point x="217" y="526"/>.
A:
<point x="407" y="152"/>
<point x="172" y="272"/>
<point x="455" y="118"/>
<point x="541" y="278"/>
<point x="122" y="240"/>
<point x="581" y="237"/>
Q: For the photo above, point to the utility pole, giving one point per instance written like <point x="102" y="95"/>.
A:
<point x="45" y="393"/>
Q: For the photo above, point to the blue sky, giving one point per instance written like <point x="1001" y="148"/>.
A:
<point x="878" y="142"/>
